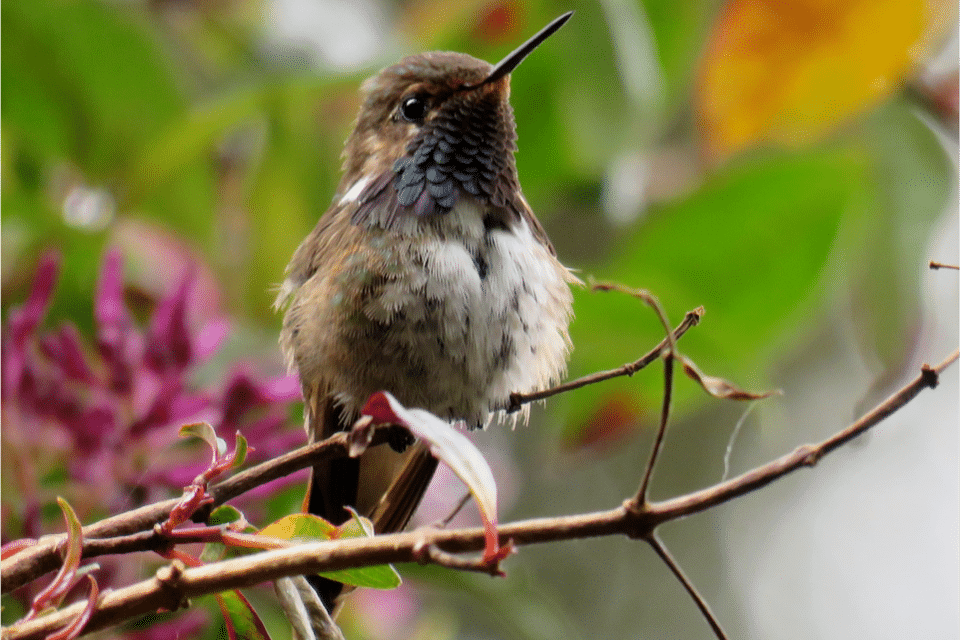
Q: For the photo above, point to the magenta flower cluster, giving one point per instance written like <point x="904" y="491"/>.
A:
<point x="108" y="412"/>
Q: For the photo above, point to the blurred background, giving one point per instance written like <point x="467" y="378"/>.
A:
<point x="790" y="166"/>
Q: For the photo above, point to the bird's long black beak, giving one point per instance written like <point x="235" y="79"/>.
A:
<point x="510" y="63"/>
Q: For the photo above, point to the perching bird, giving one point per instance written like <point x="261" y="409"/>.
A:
<point x="428" y="277"/>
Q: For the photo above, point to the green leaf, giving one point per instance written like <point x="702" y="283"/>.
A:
<point x="305" y="526"/>
<point x="382" y="576"/>
<point x="97" y="75"/>
<point x="241" y="619"/>
<point x="61" y="584"/>
<point x="71" y="560"/>
<point x="913" y="173"/>
<point x="240" y="449"/>
<point x="752" y="246"/>
<point x="213" y="552"/>
<point x="204" y="431"/>
<point x="74" y="551"/>
<point x="224" y="514"/>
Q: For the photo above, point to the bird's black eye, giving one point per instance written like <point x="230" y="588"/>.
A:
<point x="413" y="108"/>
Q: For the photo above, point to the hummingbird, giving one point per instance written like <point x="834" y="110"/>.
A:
<point x="429" y="277"/>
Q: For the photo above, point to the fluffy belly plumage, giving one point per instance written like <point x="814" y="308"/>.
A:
<point x="455" y="319"/>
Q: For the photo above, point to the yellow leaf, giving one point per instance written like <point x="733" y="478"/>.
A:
<point x="787" y="72"/>
<point x="300" y="525"/>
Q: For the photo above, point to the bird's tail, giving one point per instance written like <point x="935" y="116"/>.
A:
<point x="381" y="484"/>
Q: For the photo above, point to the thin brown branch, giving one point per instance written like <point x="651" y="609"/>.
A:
<point x="174" y="584"/>
<point x="678" y="573"/>
<point x="517" y="400"/>
<point x="457" y="509"/>
<point x="648" y="298"/>
<point x="943" y="265"/>
<point x="668" y="361"/>
<point x="431" y="554"/>
<point x="133" y="530"/>
<point x="803" y="456"/>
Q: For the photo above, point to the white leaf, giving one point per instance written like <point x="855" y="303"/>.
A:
<point x="451" y="447"/>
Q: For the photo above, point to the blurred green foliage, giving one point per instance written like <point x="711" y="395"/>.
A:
<point x="187" y="121"/>
<point x="190" y="122"/>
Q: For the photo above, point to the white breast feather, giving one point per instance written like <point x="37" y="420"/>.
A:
<point x="525" y="295"/>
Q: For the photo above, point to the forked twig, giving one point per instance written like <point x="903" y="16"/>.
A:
<point x="803" y="456"/>
<point x="669" y="354"/>
<point x="639" y="502"/>
<point x="691" y="319"/>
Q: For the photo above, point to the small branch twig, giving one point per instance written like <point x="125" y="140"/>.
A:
<point x="517" y="400"/>
<point x="943" y="265"/>
<point x="802" y="456"/>
<point x="669" y="354"/>
<point x="668" y="360"/>
<point x="173" y="584"/>
<point x="428" y="553"/>
<point x="457" y="509"/>
<point x="134" y="530"/>
<point x="654" y="541"/>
